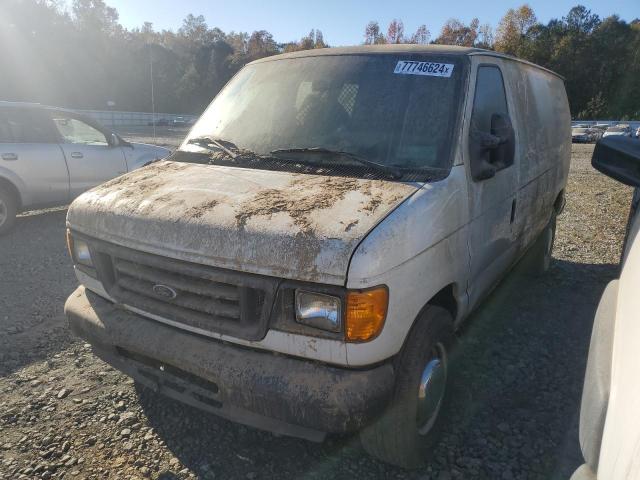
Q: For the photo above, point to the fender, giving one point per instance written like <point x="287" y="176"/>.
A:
<point x="20" y="186"/>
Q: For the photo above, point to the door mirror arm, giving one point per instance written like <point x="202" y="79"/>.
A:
<point x="488" y="141"/>
<point x="116" y="140"/>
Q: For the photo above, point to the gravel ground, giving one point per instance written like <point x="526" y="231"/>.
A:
<point x="514" y="400"/>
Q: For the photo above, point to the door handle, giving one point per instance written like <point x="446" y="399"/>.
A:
<point x="76" y="155"/>
<point x="513" y="210"/>
<point x="9" y="156"/>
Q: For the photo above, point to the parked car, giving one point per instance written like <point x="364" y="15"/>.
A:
<point x="638" y="133"/>
<point x="609" y="420"/>
<point x="302" y="262"/>
<point x="598" y="131"/>
<point x="179" y="121"/>
<point x="49" y="156"/>
<point x="582" y="135"/>
<point x="618" y="130"/>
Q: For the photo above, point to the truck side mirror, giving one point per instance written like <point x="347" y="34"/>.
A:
<point x="492" y="151"/>
<point x="619" y="158"/>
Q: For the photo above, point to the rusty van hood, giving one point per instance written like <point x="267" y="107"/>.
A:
<point x="282" y="224"/>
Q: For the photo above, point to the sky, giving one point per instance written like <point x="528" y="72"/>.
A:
<point x="343" y="21"/>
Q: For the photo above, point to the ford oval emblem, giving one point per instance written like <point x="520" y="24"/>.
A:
<point x="165" y="291"/>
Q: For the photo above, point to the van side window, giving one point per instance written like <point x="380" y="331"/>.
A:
<point x="490" y="116"/>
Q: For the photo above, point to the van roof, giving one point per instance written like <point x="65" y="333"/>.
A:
<point x="400" y="48"/>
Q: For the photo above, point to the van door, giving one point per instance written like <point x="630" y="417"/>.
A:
<point x="29" y="150"/>
<point x="493" y="178"/>
<point x="91" y="158"/>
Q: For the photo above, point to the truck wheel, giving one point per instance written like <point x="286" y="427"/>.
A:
<point x="404" y="433"/>
<point x="541" y="251"/>
<point x="8" y="210"/>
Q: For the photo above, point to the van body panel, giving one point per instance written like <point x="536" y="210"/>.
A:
<point x="280" y="224"/>
<point x="543" y="145"/>
<point x="492" y="235"/>
<point x="417" y="250"/>
<point x="511" y="209"/>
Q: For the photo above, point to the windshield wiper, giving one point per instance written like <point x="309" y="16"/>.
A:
<point x="206" y="142"/>
<point x="393" y="171"/>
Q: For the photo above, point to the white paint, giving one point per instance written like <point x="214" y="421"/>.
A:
<point x="620" y="450"/>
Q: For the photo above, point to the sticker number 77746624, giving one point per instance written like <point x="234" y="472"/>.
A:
<point x="434" y="69"/>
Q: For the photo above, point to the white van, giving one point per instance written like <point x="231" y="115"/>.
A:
<point x="302" y="261"/>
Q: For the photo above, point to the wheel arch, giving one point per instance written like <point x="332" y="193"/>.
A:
<point x="13" y="189"/>
<point x="559" y="202"/>
<point x="446" y="299"/>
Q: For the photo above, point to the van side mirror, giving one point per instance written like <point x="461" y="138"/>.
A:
<point x="619" y="158"/>
<point x="494" y="150"/>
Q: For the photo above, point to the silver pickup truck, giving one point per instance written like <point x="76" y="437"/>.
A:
<point x="49" y="156"/>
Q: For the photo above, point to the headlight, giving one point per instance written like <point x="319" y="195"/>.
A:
<point x="318" y="310"/>
<point x="79" y="250"/>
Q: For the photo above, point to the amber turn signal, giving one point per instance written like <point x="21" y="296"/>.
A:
<point x="365" y="313"/>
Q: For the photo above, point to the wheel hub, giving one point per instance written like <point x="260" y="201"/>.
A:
<point x="431" y="389"/>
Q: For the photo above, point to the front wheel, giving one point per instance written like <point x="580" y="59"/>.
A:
<point x="542" y="249"/>
<point x="404" y="433"/>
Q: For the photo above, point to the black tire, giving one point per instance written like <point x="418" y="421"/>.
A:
<point x="539" y="256"/>
<point x="8" y="210"/>
<point x="395" y="437"/>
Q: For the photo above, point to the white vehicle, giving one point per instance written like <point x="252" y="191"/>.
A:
<point x="582" y="135"/>
<point x="618" y="131"/>
<point x="49" y="156"/>
<point x="302" y="263"/>
<point x="610" y="411"/>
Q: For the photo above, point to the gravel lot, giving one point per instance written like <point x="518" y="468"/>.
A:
<point x="514" y="405"/>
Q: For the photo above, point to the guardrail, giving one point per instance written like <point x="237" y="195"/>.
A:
<point x="130" y="119"/>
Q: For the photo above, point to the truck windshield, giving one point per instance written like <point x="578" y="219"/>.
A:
<point x="395" y="110"/>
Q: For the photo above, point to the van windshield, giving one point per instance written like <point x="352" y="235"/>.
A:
<point x="396" y="111"/>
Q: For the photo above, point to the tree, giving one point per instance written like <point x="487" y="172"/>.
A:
<point x="261" y="44"/>
<point x="454" y="32"/>
<point x="95" y="17"/>
<point x="422" y="35"/>
<point x="372" y="34"/>
<point x="485" y="37"/>
<point x="395" y="32"/>
<point x="513" y="30"/>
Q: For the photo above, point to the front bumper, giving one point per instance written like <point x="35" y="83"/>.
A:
<point x="265" y="390"/>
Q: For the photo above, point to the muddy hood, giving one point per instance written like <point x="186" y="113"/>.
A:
<point x="283" y="224"/>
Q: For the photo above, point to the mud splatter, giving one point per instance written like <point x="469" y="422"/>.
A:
<point x="199" y="210"/>
<point x="350" y="225"/>
<point x="303" y="196"/>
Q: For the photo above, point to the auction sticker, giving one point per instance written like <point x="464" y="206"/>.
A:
<point x="433" y="69"/>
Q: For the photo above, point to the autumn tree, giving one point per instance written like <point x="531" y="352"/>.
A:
<point x="454" y="32"/>
<point x="395" y="32"/>
<point x="514" y="29"/>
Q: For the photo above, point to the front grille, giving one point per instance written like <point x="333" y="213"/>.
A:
<point x="194" y="296"/>
<point x="200" y="298"/>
